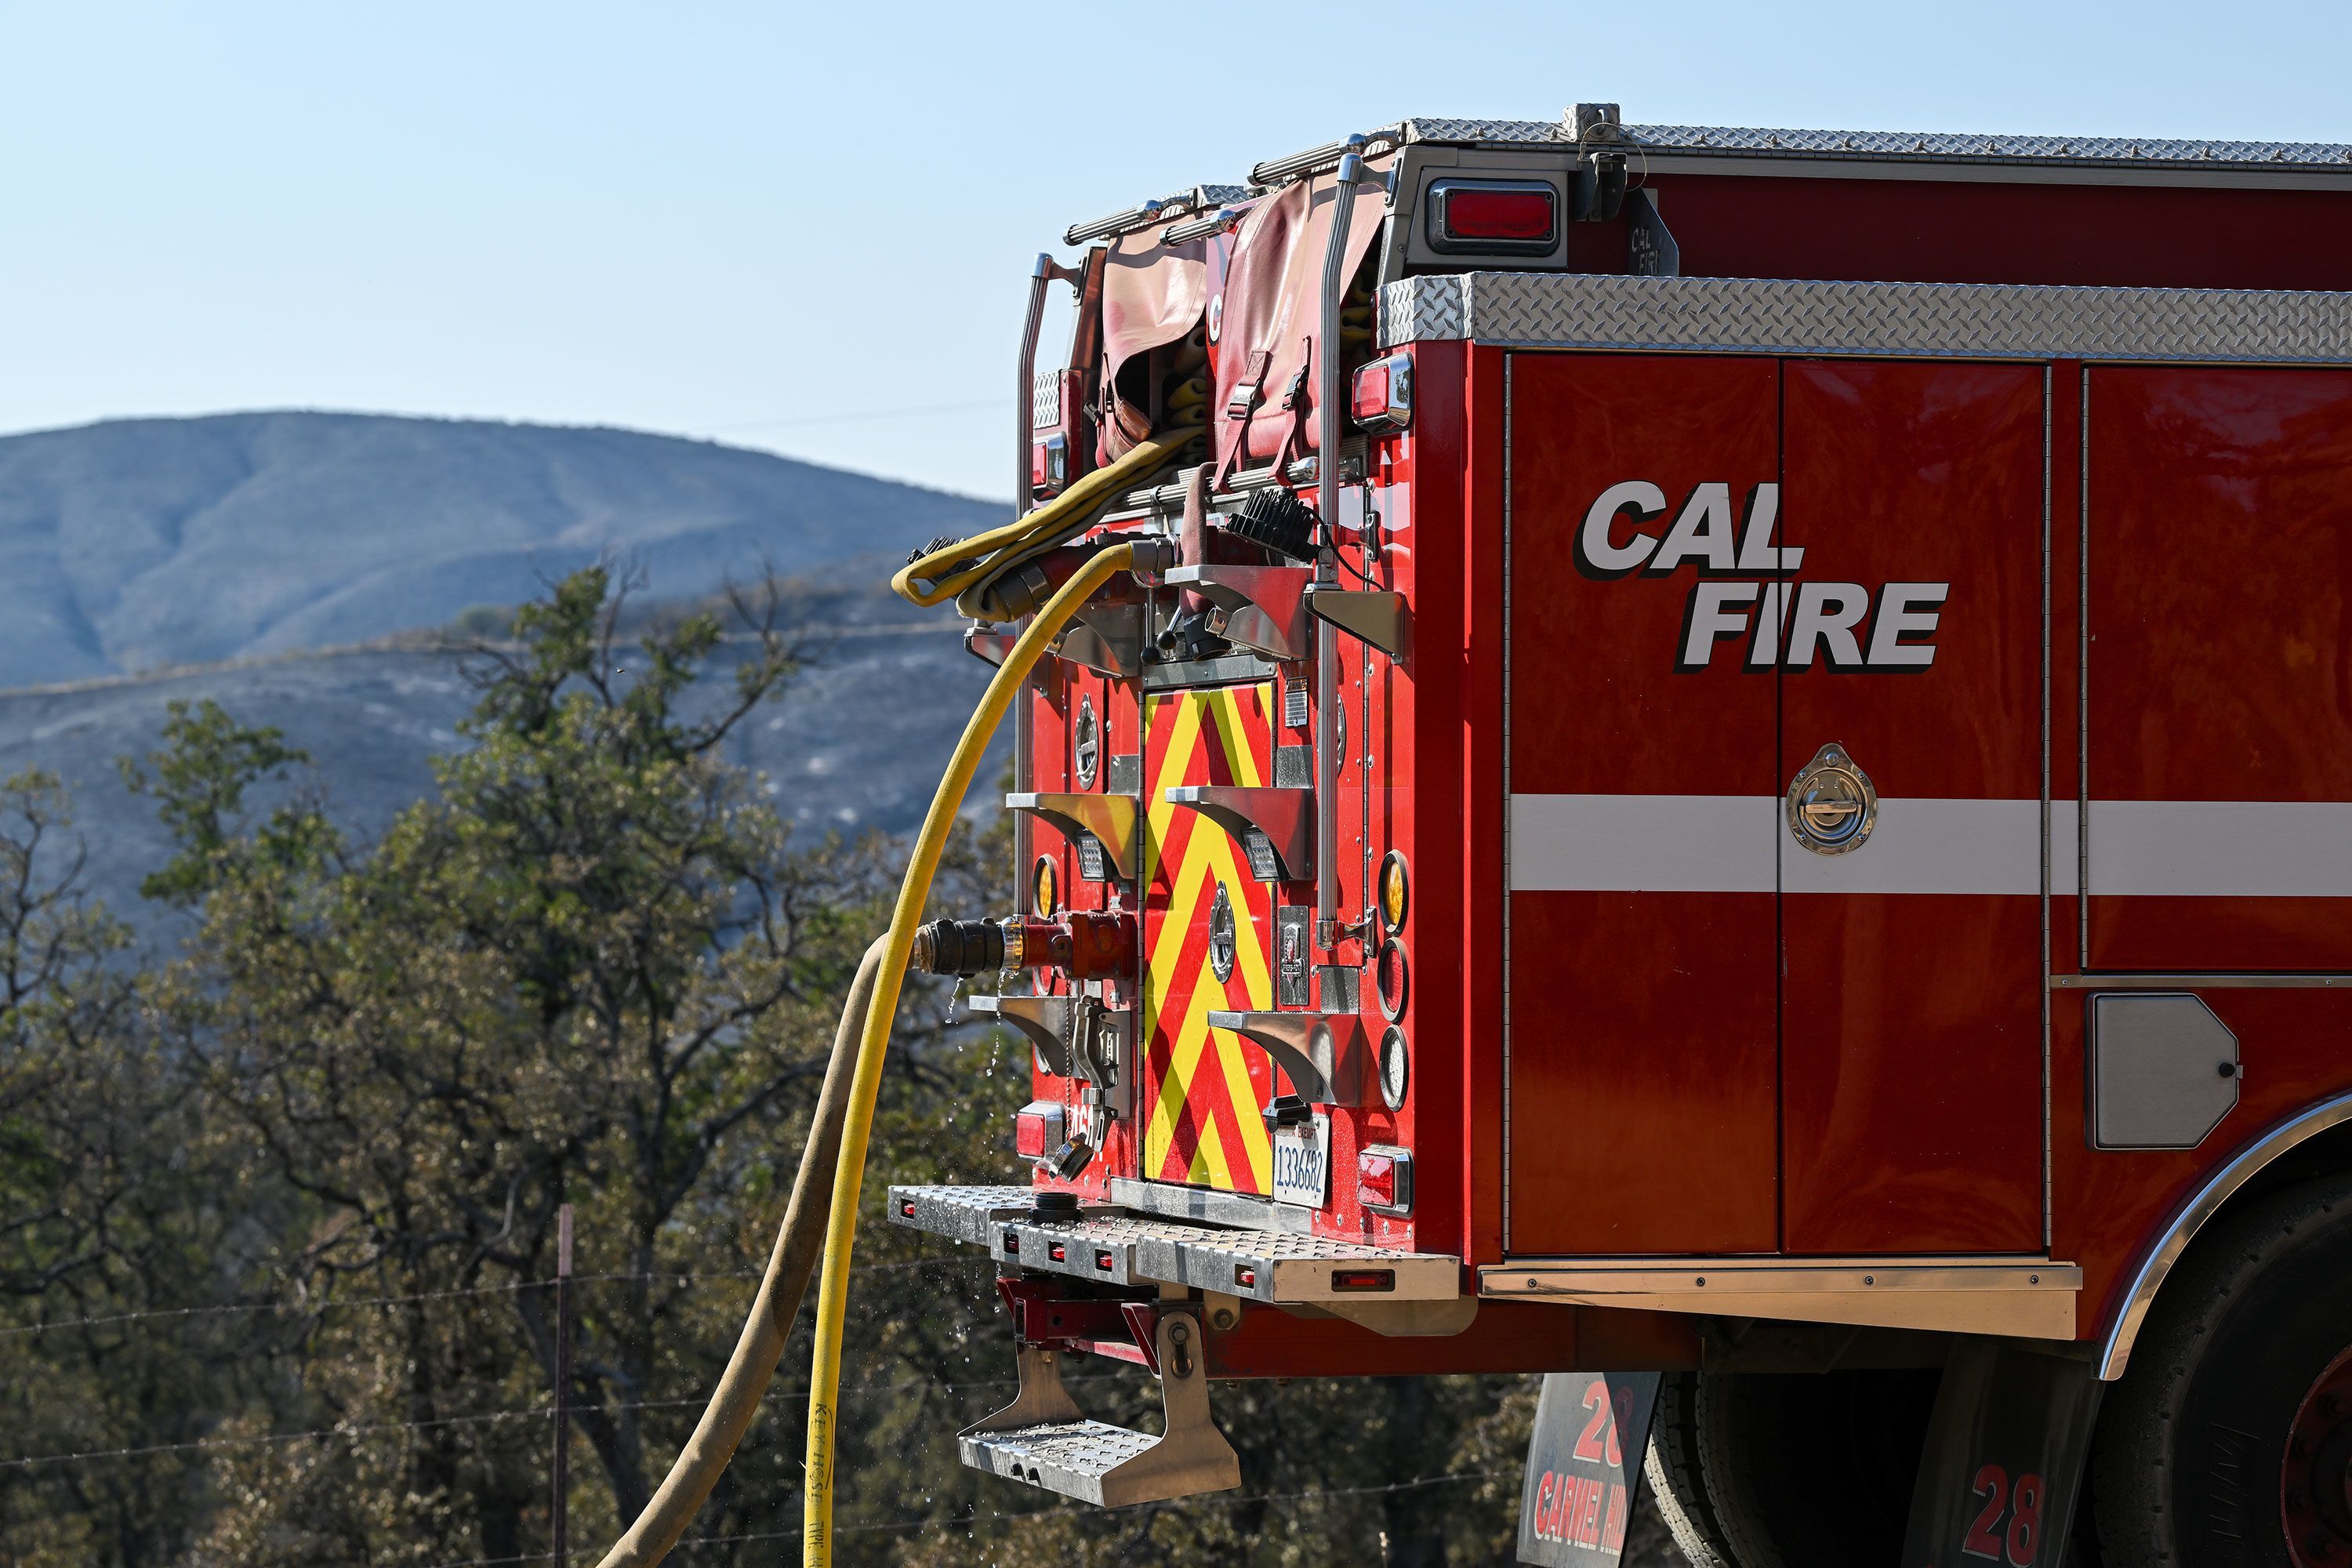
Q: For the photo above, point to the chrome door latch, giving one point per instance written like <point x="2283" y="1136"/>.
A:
<point x="1832" y="805"/>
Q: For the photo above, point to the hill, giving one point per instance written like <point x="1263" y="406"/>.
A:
<point x="138" y="544"/>
<point x="272" y="561"/>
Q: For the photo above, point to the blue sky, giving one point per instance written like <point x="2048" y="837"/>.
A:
<point x="767" y="225"/>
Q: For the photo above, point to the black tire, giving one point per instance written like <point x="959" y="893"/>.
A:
<point x="1676" y="1481"/>
<point x="2192" y="1460"/>
<point x="1770" y="1471"/>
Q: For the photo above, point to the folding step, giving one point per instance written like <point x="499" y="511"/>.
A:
<point x="1044" y="1440"/>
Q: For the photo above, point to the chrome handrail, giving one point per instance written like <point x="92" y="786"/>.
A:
<point x="1347" y="176"/>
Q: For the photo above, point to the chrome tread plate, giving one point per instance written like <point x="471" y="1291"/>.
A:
<point x="1095" y="1246"/>
<point x="1115" y="1247"/>
<point x="1288" y="1269"/>
<point x="1977" y="320"/>
<point x="1071" y="1458"/>
<point x="1899" y="146"/>
<point x="960" y="1213"/>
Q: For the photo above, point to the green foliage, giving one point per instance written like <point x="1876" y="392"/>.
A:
<point x="199" y="781"/>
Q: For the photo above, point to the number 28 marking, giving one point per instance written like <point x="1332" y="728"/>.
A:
<point x="1600" y="1442"/>
<point x="2023" y="1541"/>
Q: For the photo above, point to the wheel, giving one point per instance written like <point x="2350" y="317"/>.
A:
<point x="2228" y="1442"/>
<point x="1773" y="1470"/>
<point x="1672" y="1469"/>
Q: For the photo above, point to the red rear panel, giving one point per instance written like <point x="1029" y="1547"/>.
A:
<point x="1643" y="1074"/>
<point x="1203" y="1089"/>
<point x="1911" y="1015"/>
<point x="1720" y="1040"/>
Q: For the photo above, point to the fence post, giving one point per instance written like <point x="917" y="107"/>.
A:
<point x="560" y="1477"/>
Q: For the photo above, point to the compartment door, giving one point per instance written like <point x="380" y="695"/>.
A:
<point x="1207" y="943"/>
<point x="1913" y="642"/>
<point x="2220" y="668"/>
<point x="1642" y="1083"/>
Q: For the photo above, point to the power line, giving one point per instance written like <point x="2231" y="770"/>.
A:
<point x="861" y="416"/>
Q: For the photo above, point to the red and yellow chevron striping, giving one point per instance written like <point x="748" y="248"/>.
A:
<point x="1202" y="1088"/>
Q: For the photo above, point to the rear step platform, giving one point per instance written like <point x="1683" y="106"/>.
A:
<point x="1114" y="1245"/>
<point x="1043" y="1439"/>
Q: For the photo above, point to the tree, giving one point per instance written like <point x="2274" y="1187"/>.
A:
<point x="590" y="968"/>
<point x="113" y="1203"/>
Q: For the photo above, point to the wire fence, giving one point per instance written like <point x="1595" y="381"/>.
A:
<point x="353" y="1431"/>
<point x="313" y="1305"/>
<point x="967" y="1521"/>
<point x="483" y="1417"/>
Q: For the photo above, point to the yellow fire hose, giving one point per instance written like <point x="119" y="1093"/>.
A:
<point x="833" y="1164"/>
<point x="736" y="1400"/>
<point x="942" y="574"/>
<point x="832" y="1286"/>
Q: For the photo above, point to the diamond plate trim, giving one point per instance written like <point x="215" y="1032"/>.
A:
<point x="1071" y="1458"/>
<point x="1045" y="400"/>
<point x="1879" y="146"/>
<point x="1485" y="131"/>
<point x="1284" y="1266"/>
<point x="1100" y="1247"/>
<point x="1425" y="310"/>
<point x="960" y="1214"/>
<point x="1268" y="1266"/>
<point x="1972" y="320"/>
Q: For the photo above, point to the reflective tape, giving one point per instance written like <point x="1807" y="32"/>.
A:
<point x="1741" y="844"/>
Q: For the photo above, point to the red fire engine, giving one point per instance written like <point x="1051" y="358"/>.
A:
<point x="1730" y="755"/>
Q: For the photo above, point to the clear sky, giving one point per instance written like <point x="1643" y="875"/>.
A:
<point x="770" y="224"/>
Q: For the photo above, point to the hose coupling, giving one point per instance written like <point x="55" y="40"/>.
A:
<point x="1156" y="556"/>
<point x="961" y="948"/>
<point x="1082" y="944"/>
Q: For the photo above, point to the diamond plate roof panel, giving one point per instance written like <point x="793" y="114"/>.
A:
<point x="1737" y="141"/>
<point x="1973" y="321"/>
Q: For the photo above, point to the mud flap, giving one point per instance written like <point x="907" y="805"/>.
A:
<point x="1584" y="1468"/>
<point x="2006" y="1452"/>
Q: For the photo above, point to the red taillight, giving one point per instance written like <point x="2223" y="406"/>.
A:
<point x="1037" y="1129"/>
<point x="1507" y="216"/>
<point x="1499" y="214"/>
<point x="1384" y="1179"/>
<point x="1381" y="399"/>
<point x="1049" y="465"/>
<point x="1363" y="1280"/>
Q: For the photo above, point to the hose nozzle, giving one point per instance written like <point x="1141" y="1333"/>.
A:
<point x="961" y="948"/>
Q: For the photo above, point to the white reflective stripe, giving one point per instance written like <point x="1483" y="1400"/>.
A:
<point x="2222" y="848"/>
<point x="1646" y="843"/>
<point x="1927" y="845"/>
<point x="1738" y="843"/>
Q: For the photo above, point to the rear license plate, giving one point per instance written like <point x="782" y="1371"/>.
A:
<point x="1302" y="1163"/>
